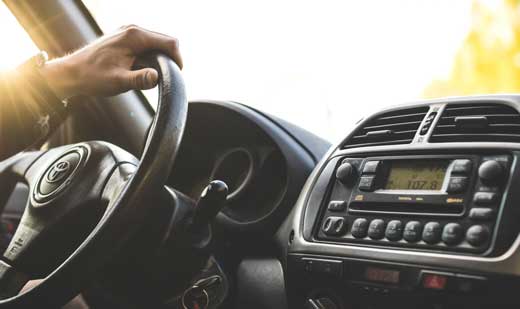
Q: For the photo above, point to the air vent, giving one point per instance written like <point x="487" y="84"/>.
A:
<point x="490" y="122"/>
<point x="397" y="127"/>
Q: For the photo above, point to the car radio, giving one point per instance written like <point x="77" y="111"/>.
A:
<point x="440" y="202"/>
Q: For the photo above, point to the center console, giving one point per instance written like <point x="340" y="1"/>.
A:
<point x="417" y="207"/>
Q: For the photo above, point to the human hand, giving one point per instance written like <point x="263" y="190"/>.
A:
<point x="104" y="67"/>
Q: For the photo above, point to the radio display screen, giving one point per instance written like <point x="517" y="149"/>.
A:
<point x="416" y="175"/>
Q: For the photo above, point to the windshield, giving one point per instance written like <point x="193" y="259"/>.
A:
<point x="325" y="64"/>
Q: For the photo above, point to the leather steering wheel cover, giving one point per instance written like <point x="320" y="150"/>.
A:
<point x="124" y="216"/>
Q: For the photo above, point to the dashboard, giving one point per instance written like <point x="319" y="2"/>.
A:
<point x="416" y="207"/>
<point x="261" y="162"/>
<point x="265" y="163"/>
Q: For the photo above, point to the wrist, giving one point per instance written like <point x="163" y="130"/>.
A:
<point x="59" y="74"/>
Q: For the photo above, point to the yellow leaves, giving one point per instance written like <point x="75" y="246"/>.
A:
<point x="488" y="60"/>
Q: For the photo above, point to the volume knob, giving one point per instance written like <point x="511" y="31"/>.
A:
<point x="345" y="173"/>
<point x="491" y="172"/>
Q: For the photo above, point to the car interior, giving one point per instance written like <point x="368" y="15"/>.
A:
<point x="218" y="204"/>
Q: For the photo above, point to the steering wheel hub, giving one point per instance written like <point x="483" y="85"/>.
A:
<point x="59" y="175"/>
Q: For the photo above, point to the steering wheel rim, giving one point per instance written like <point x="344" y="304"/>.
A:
<point x="123" y="215"/>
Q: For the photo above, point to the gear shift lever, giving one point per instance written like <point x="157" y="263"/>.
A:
<point x="212" y="199"/>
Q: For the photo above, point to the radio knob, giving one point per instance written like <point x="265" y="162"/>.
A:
<point x="490" y="172"/>
<point x="345" y="173"/>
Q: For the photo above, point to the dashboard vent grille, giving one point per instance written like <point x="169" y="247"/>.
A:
<point x="396" y="127"/>
<point x="489" y="122"/>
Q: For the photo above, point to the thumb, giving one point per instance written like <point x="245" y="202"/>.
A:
<point x="141" y="79"/>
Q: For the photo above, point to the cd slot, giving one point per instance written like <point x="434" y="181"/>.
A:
<point x="407" y="208"/>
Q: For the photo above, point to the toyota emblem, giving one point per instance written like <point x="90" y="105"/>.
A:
<point x="58" y="171"/>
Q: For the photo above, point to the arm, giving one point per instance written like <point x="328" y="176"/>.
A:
<point x="31" y="98"/>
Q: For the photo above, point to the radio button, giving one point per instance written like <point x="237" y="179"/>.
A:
<point x="462" y="166"/>
<point x="412" y="231"/>
<point x="366" y="183"/>
<point x="452" y="233"/>
<point x="432" y="232"/>
<point x="485" y="198"/>
<point x="337" y="205"/>
<point x="394" y="230"/>
<point x="334" y="226"/>
<point x="477" y="235"/>
<point x="359" y="228"/>
<point x="457" y="184"/>
<point x="483" y="188"/>
<point x="371" y="167"/>
<point x="376" y="230"/>
<point x="481" y="213"/>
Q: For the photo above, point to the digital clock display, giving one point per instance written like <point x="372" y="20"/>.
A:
<point x="416" y="175"/>
<point x="382" y="275"/>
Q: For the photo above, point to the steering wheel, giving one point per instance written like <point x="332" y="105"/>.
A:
<point x="86" y="201"/>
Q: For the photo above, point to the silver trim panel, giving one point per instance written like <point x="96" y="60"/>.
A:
<point x="507" y="264"/>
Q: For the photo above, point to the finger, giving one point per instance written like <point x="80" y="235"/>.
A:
<point x="140" y="79"/>
<point x="141" y="40"/>
<point x="30" y="284"/>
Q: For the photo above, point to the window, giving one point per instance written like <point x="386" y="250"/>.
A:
<point x="325" y="64"/>
<point x="17" y="46"/>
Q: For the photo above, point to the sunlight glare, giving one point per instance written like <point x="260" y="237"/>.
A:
<point x="17" y="46"/>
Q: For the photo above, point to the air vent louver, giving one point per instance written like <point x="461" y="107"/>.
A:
<point x="397" y="127"/>
<point x="489" y="122"/>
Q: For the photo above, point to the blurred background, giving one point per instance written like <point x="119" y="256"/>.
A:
<point x="322" y="64"/>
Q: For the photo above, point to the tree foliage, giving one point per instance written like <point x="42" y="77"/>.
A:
<point x="488" y="60"/>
